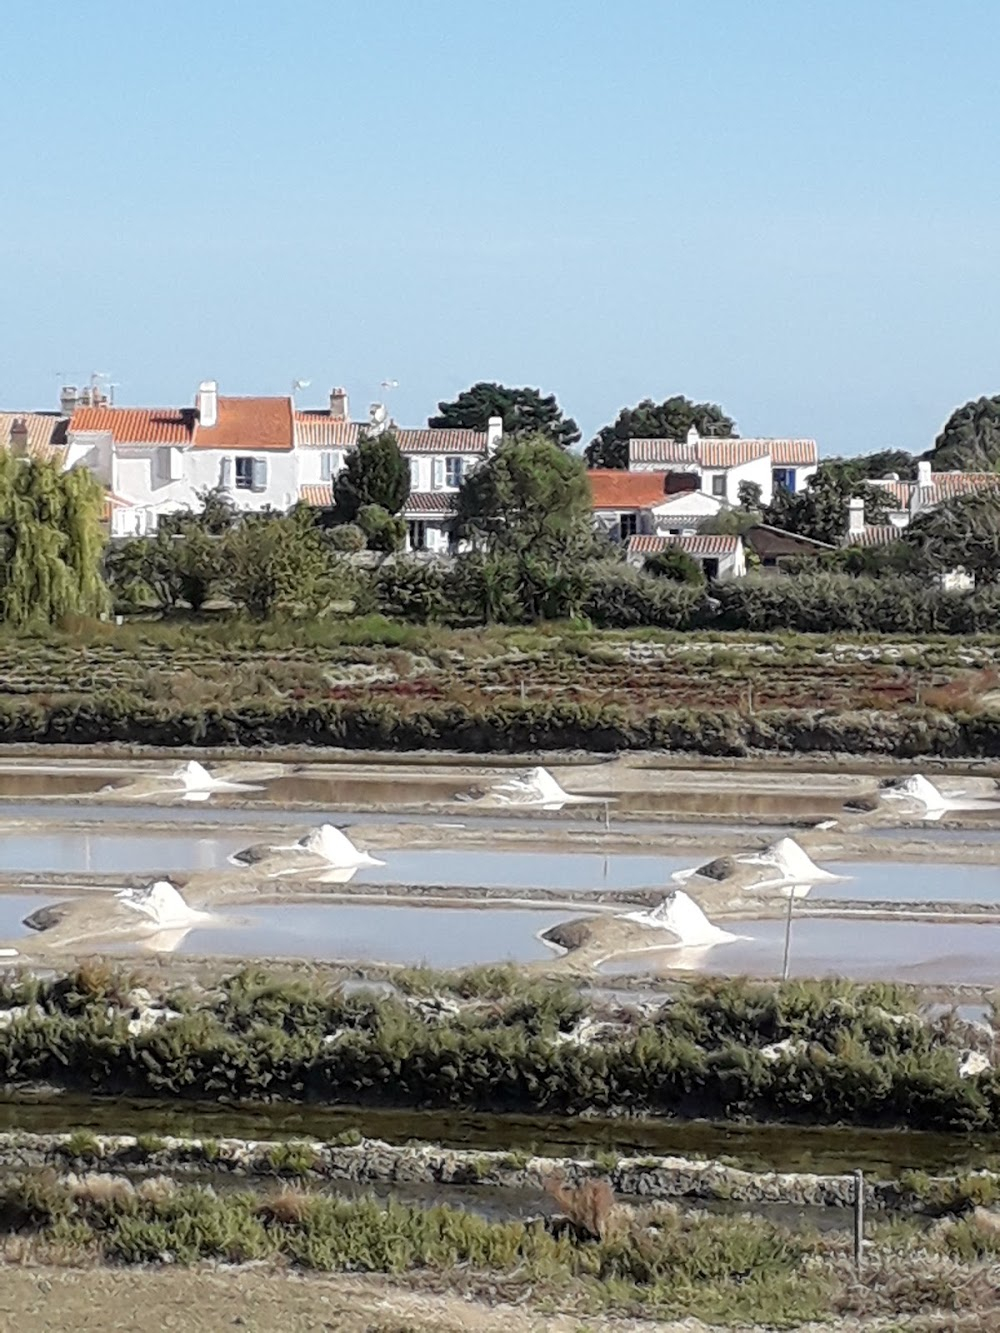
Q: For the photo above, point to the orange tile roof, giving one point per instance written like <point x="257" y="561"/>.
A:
<point x="249" y="423"/>
<point x="614" y="488"/>
<point x="901" y="491"/>
<point x="46" y="434"/>
<point x="427" y="441"/>
<point x="138" y="425"/>
<point x="430" y="502"/>
<point x="947" y="485"/>
<point x="711" y="452"/>
<point x="320" y="496"/>
<point x="315" y="430"/>
<point x="875" y="534"/>
<point x="700" y="543"/>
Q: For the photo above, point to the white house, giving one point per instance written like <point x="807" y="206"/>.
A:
<point x="722" y="465"/>
<point x="658" y="503"/>
<point x="721" y="555"/>
<point x="157" y="461"/>
<point x="907" y="499"/>
<point x="439" y="461"/>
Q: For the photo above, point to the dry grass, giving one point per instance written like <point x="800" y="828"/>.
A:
<point x="100" y="1189"/>
<point x="287" y="1205"/>
<point x="589" y="1206"/>
<point x="917" y="1283"/>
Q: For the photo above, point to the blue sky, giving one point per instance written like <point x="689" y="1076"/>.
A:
<point x="787" y="207"/>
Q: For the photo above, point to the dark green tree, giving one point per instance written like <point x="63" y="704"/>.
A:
<point x="970" y="439"/>
<point x="525" y="412"/>
<point x="383" y="531"/>
<point x="375" y="473"/>
<point x="821" y="510"/>
<point x="675" y="564"/>
<point x="531" y="496"/>
<point x="873" y="467"/>
<point x="961" y="532"/>
<point x="669" y="420"/>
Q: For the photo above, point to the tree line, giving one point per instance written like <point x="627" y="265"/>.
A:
<point x="969" y="441"/>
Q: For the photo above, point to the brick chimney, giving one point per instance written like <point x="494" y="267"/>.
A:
<point x="338" y="405"/>
<point x="19" y="438"/>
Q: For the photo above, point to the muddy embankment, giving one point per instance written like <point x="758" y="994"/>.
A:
<point x="373" y="1162"/>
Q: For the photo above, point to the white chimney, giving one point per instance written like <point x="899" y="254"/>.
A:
<point x="338" y="405"/>
<point x="208" y="402"/>
<point x="494" y="434"/>
<point x="855" y="515"/>
<point x="924" y="474"/>
<point x="69" y="396"/>
<point x="19" y="438"/>
<point x="692" y="435"/>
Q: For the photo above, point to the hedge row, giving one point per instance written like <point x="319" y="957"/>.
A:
<point x="850" y="1059"/>
<point x="505" y="726"/>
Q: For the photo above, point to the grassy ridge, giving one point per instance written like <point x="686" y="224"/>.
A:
<point x="858" y="1055"/>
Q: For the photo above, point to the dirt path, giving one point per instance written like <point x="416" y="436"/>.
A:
<point x="99" y="1300"/>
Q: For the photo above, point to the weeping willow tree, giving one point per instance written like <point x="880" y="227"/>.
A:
<point x="51" y="543"/>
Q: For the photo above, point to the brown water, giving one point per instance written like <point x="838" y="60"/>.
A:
<point x="732" y="804"/>
<point x="827" y="1151"/>
<point x="336" y="791"/>
<point x="27" y="785"/>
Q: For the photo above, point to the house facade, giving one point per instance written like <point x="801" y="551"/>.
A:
<point x="439" y="461"/>
<point x="721" y="555"/>
<point x="156" y="461"/>
<point x="263" y="453"/>
<point x="628" y="504"/>
<point x="721" y="466"/>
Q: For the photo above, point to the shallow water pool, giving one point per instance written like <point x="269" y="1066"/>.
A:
<point x="104" y="853"/>
<point x="912" y="951"/>
<point x="439" y="937"/>
<point x="922" y="881"/>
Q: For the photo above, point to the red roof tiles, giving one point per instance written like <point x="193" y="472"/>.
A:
<point x="137" y="425"/>
<point x="249" y="423"/>
<point x="700" y="543"/>
<point x="614" y="488"/>
<point x="723" y="453"/>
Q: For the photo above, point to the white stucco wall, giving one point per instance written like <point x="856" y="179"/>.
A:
<point x="142" y="476"/>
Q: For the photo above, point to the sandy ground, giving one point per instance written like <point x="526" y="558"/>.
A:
<point x="135" y="1300"/>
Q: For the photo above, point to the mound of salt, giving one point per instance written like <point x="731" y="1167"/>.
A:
<point x="194" y="777"/>
<point x="679" y="914"/>
<point x="537" y="786"/>
<point x="791" y="862"/>
<point x="335" y="848"/>
<point x="161" y="904"/>
<point x="919" y="789"/>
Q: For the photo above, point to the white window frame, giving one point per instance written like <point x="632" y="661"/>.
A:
<point x="454" y="471"/>
<point x="243" y="464"/>
<point x="329" y="464"/>
<point x="417" y="528"/>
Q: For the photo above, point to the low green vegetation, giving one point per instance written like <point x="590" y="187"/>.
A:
<point x="593" y="1257"/>
<point x="856" y="1055"/>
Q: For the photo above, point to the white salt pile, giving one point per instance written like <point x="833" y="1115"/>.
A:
<point x="334" y="847"/>
<point x="792" y="863"/>
<point x="920" y="791"/>
<point x="162" y="906"/>
<point x="537" y="786"/>
<point x="933" y="802"/>
<point x="198" y="784"/>
<point x="681" y="916"/>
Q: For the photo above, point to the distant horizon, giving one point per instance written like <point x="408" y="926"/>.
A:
<point x="781" y="208"/>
